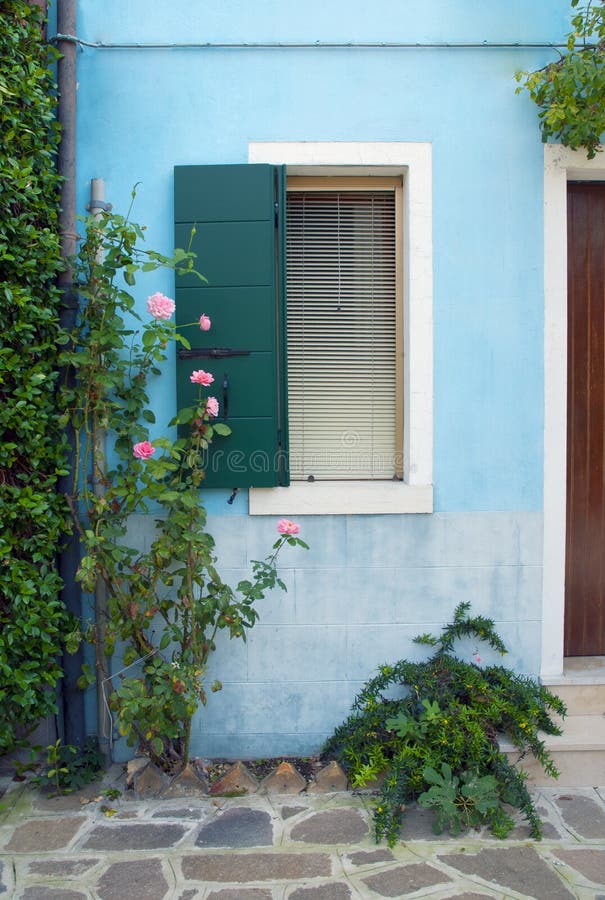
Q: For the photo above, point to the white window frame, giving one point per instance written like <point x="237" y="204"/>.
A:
<point x="560" y="166"/>
<point x="413" y="162"/>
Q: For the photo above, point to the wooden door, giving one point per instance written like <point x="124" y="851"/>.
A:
<point x="585" y="544"/>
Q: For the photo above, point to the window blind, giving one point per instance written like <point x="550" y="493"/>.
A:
<point x="342" y="334"/>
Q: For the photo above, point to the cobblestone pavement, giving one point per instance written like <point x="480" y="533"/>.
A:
<point x="284" y="847"/>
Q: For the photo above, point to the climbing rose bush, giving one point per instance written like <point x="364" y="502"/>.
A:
<point x="165" y="604"/>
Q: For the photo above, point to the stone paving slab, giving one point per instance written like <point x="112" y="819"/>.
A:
<point x="272" y="847"/>
<point x="239" y="827"/>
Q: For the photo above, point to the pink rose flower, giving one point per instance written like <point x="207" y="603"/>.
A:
<point x="285" y="526"/>
<point x="159" y="306"/>
<point x="201" y="377"/>
<point x="143" y="450"/>
<point x="212" y="406"/>
<point x="205" y="322"/>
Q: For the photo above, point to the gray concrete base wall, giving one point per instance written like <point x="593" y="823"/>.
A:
<point x="367" y="586"/>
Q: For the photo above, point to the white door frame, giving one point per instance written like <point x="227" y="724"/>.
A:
<point x="560" y="166"/>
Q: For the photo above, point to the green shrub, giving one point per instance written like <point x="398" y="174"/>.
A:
<point x="437" y="741"/>
<point x="32" y="619"/>
<point x="68" y="769"/>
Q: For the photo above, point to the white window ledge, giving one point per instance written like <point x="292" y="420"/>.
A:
<point x="341" y="498"/>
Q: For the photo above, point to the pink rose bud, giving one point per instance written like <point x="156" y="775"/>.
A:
<point x="212" y="406"/>
<point x="201" y="377"/>
<point x="159" y="306"/>
<point x="285" y="526"/>
<point x="205" y="322"/>
<point x="143" y="450"/>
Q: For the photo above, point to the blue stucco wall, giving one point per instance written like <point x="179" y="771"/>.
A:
<point x="369" y="583"/>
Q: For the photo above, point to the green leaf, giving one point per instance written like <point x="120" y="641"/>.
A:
<point x="184" y="416"/>
<point x="221" y="428"/>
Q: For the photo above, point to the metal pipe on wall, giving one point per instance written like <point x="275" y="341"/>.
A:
<point x="74" y="725"/>
<point x="96" y="206"/>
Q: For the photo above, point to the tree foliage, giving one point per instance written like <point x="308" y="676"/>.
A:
<point x="570" y="92"/>
<point x="32" y="619"/>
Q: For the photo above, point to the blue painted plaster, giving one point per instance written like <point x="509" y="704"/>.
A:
<point x="141" y="112"/>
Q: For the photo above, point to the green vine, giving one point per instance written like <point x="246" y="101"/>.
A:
<point x="33" y="622"/>
<point x="570" y="92"/>
<point x="430" y="731"/>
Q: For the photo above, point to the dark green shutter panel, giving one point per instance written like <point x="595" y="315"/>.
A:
<point x="239" y="217"/>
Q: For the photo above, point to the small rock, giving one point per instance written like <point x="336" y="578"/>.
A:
<point x="410" y="878"/>
<point x="244" y="868"/>
<point x="369" y="857"/>
<point x="284" y="780"/>
<point x="239" y="894"/>
<point x="134" y="878"/>
<point x="583" y="814"/>
<point x="330" y="778"/>
<point x="142" y="836"/>
<point x="589" y="861"/>
<point x="237" y="827"/>
<point x="332" y="826"/>
<point x="40" y="834"/>
<point x="48" y="893"/>
<point x="236" y="781"/>
<point x="288" y="811"/>
<point x="334" y="890"/>
<point x="149" y="782"/>
<point x="184" y="812"/>
<point x="66" y="868"/>
<point x="132" y="767"/>
<point x="188" y="783"/>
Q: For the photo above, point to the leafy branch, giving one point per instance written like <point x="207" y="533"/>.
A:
<point x="570" y="92"/>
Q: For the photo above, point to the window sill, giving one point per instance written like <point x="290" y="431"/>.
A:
<point x="341" y="498"/>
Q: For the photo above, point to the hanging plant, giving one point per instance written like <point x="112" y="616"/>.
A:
<point x="570" y="92"/>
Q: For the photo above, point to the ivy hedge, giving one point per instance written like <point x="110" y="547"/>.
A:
<point x="33" y="621"/>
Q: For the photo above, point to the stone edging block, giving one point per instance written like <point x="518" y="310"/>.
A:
<point x="149" y="782"/>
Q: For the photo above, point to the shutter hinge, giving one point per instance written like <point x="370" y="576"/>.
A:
<point x="276" y="213"/>
<point x="210" y="352"/>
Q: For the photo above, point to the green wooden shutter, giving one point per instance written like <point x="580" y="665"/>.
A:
<point x="239" y="215"/>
